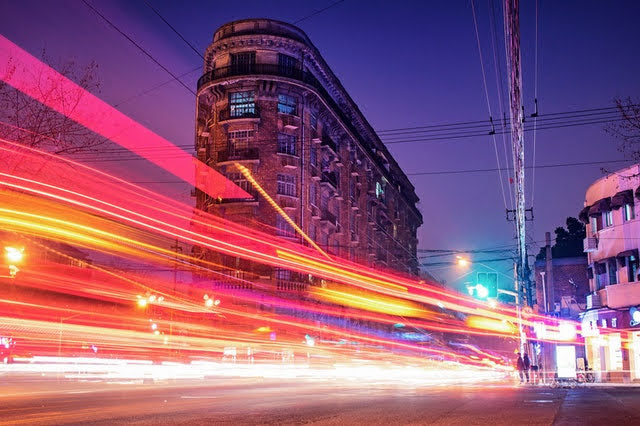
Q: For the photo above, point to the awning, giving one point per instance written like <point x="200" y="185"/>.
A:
<point x="628" y="253"/>
<point x="622" y="256"/>
<point x="584" y="215"/>
<point x="622" y="198"/>
<point x="600" y="206"/>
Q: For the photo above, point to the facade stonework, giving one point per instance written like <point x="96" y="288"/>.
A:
<point x="268" y="101"/>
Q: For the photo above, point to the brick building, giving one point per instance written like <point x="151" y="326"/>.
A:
<point x="269" y="101"/>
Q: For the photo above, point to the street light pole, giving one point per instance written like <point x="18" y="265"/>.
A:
<point x="60" y="332"/>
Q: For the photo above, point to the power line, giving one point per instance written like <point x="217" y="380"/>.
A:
<point x="317" y="12"/>
<point x="545" y="166"/>
<point x="173" y="29"/>
<point x="486" y="92"/>
<point x="138" y="46"/>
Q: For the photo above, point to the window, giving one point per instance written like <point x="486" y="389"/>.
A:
<point x="313" y="120"/>
<point x="313" y="156"/>
<point x="287" y="104"/>
<point x="283" y="274"/>
<point x="607" y="219"/>
<point x="242" y="104"/>
<point x="284" y="228"/>
<point x="313" y="232"/>
<point x="286" y="144"/>
<point x="613" y="271"/>
<point x="239" y="179"/>
<point x="287" y="185"/>
<point x="596" y="224"/>
<point x="243" y="62"/>
<point x="287" y="64"/>
<point x="379" y="190"/>
<point x="239" y="140"/>
<point x="324" y="201"/>
<point x="313" y="194"/>
<point x="627" y="212"/>
<point x="632" y="268"/>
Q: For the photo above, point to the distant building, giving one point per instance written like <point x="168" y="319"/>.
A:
<point x="269" y="101"/>
<point x="613" y="238"/>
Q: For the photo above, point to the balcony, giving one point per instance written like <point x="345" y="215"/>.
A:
<point x="329" y="178"/>
<point x="328" y="218"/>
<point x="327" y="142"/>
<point x="314" y="172"/>
<point x="249" y="112"/>
<point x="289" y="161"/>
<point x="246" y="154"/>
<point x="590" y="244"/>
<point x="621" y="295"/>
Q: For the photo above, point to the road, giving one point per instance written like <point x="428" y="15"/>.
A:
<point x="262" y="401"/>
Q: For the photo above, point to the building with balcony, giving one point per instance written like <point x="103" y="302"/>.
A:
<point x="269" y="101"/>
<point x="611" y="329"/>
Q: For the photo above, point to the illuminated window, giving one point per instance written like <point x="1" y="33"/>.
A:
<point x="287" y="104"/>
<point x="379" y="190"/>
<point x="286" y="144"/>
<point x="632" y="268"/>
<point x="287" y="185"/>
<point x="242" y="104"/>
<point x="627" y="212"/>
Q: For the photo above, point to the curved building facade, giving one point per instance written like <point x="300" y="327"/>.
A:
<point x="611" y="325"/>
<point x="269" y="101"/>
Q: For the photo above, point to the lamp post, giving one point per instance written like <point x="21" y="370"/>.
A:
<point x="60" y="332"/>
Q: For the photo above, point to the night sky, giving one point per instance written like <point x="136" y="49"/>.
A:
<point x="406" y="64"/>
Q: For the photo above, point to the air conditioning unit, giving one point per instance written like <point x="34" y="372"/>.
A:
<point x="594" y="301"/>
<point x="590" y="244"/>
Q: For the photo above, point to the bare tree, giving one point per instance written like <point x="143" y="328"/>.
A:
<point x="627" y="130"/>
<point x="29" y="122"/>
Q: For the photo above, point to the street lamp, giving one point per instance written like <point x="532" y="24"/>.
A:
<point x="14" y="256"/>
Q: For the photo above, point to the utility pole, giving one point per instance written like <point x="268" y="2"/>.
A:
<point x="514" y="66"/>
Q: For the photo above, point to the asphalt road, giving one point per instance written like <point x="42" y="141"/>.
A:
<point x="251" y="401"/>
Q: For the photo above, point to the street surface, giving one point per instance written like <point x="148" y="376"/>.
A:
<point x="270" y="401"/>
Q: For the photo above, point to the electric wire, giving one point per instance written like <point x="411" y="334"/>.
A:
<point x="486" y="92"/>
<point x="147" y="54"/>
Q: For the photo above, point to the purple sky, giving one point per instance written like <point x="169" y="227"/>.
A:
<point x="406" y="64"/>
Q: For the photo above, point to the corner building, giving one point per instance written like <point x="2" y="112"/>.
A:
<point x="611" y="322"/>
<point x="269" y="101"/>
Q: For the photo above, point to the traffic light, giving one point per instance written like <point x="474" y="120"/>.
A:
<point x="487" y="285"/>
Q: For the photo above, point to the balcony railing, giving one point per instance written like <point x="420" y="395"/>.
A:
<point x="329" y="143"/>
<point x="239" y="112"/>
<point x="238" y="154"/>
<point x="329" y="218"/>
<point x="329" y="178"/>
<point x="280" y="71"/>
